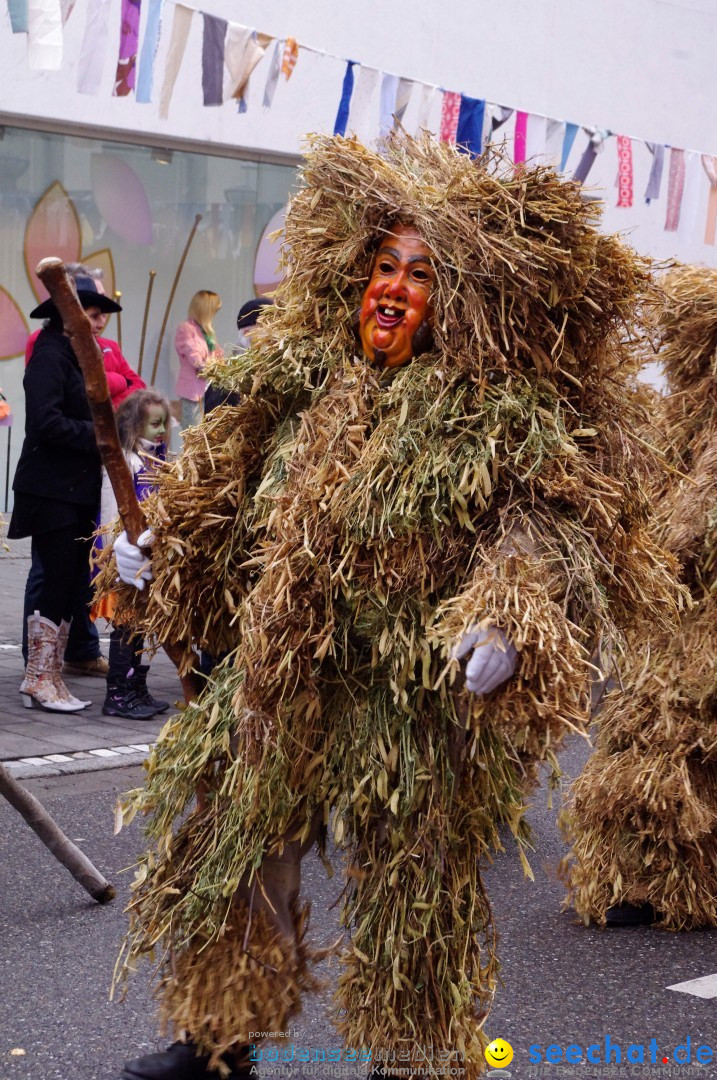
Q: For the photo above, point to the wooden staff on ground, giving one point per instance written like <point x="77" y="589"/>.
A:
<point x="52" y="836"/>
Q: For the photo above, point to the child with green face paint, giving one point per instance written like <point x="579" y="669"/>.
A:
<point x="142" y="423"/>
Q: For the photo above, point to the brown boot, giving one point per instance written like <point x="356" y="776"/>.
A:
<point x="43" y="684"/>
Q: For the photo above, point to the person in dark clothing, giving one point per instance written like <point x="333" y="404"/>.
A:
<point x="246" y="324"/>
<point x="57" y="492"/>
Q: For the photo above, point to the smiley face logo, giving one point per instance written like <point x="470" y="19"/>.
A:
<point x="499" y="1053"/>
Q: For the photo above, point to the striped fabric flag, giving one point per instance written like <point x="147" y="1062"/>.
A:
<point x="450" y="112"/>
<point x="675" y="189"/>
<point x="291" y="55"/>
<point x="624" y="170"/>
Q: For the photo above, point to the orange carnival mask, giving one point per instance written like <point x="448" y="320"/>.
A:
<point x="396" y="309"/>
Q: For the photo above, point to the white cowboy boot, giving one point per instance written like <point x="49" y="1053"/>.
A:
<point x="39" y="687"/>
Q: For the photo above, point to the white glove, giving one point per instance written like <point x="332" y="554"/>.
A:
<point x="493" y="661"/>
<point x="133" y="566"/>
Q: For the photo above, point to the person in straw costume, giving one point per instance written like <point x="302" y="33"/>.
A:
<point x="412" y="563"/>
<point x="643" y="813"/>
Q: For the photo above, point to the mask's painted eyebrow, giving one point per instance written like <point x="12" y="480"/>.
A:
<point x="396" y="255"/>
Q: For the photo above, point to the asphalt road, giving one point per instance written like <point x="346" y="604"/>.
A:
<point x="563" y="984"/>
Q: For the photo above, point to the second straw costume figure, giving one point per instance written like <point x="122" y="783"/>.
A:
<point x="643" y="817"/>
<point x="341" y="530"/>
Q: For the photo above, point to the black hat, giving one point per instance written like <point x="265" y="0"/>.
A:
<point x="249" y="312"/>
<point x="87" y="293"/>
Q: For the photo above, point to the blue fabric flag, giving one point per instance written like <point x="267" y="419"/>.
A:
<point x="571" y="131"/>
<point x="469" y="135"/>
<point x="18" y="15"/>
<point x="342" y="116"/>
<point x="147" y="57"/>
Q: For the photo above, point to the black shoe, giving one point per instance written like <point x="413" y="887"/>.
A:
<point x="630" y="915"/>
<point x="138" y="682"/>
<point x="179" y="1061"/>
<point x="121" y="700"/>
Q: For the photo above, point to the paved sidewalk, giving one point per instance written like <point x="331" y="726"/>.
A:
<point x="39" y="743"/>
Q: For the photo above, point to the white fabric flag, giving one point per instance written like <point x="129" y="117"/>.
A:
<point x="425" y="106"/>
<point x="175" y="54"/>
<point x="361" y="122"/>
<point x="272" y="78"/>
<point x="44" y="35"/>
<point x="243" y="49"/>
<point x="389" y="92"/>
<point x="554" y="136"/>
<point x="405" y="89"/>
<point x="695" y="181"/>
<point x="535" y="138"/>
<point x="94" y="47"/>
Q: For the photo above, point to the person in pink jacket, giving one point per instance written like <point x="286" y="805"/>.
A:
<point x="196" y="343"/>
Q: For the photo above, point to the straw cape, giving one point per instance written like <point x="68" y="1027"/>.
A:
<point x="339" y="530"/>
<point x="643" y="818"/>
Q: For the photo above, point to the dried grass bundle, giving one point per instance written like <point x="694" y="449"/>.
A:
<point x="643" y="818"/>
<point x="499" y="477"/>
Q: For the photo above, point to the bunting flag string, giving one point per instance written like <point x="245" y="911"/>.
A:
<point x="624" y="170"/>
<point x="148" y="56"/>
<point x="126" y="74"/>
<point x="230" y="53"/>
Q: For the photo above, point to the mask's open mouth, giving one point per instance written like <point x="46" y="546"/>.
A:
<point x="388" y="316"/>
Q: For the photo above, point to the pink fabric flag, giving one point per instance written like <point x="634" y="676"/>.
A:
<point x="126" y="74"/>
<point x="624" y="170"/>
<point x="675" y="188"/>
<point x="520" y="138"/>
<point x="449" y="116"/>
<point x="709" y="164"/>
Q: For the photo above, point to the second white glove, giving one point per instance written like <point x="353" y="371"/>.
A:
<point x="133" y="566"/>
<point x="492" y="661"/>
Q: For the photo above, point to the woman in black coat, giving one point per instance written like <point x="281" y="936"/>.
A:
<point x="57" y="493"/>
